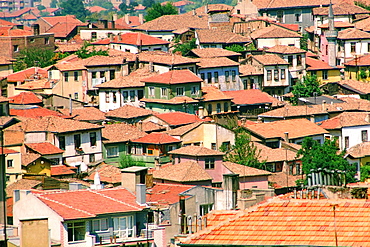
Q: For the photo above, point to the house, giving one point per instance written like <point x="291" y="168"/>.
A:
<point x="85" y="114"/>
<point x="176" y="90"/>
<point x="358" y="155"/>
<point x="163" y="27"/>
<point x="16" y="40"/>
<point x="204" y="134"/>
<point x="251" y="76"/>
<point x="135" y="43"/>
<point x="294" y="130"/>
<point x="6" y="66"/>
<point x="351" y="128"/>
<point x="129" y="114"/>
<point x="357" y="68"/>
<point x="276" y="79"/>
<point x="215" y="52"/>
<point x="252" y="101"/>
<point x="275" y="35"/>
<point x="109" y="175"/>
<point x="123" y="90"/>
<point x="323" y="71"/>
<point x="153" y="148"/>
<point x="295" y="57"/>
<point x="214" y="38"/>
<point x="31" y="111"/>
<point x="220" y="72"/>
<point x="25" y="98"/>
<point x="47" y="23"/>
<point x="287" y="222"/>
<point x="114" y="144"/>
<point x="348" y="87"/>
<point x="86" y="217"/>
<point x="47" y="151"/>
<point x="215" y="102"/>
<point x="13" y="170"/>
<point x="172" y="120"/>
<point x="80" y="141"/>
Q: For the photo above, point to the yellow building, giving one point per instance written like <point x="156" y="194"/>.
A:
<point x="358" y="68"/>
<point x="323" y="71"/>
<point x="215" y="101"/>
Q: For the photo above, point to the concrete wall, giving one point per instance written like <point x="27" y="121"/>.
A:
<point x="34" y="233"/>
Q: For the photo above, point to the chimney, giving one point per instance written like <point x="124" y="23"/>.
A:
<point x="286" y="136"/>
<point x="206" y="8"/>
<point x="141" y="18"/>
<point x="132" y="176"/>
<point x="35" y="29"/>
<point x="75" y="186"/>
<point x="127" y="19"/>
<point x="194" y="12"/>
<point x="231" y="187"/>
<point x="324" y="105"/>
<point x="140" y="125"/>
<point x="112" y="25"/>
<point x="141" y="194"/>
<point x="114" y="17"/>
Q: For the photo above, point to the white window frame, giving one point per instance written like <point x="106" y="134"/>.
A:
<point x="164" y="92"/>
<point x="112" y="152"/>
<point x="151" y="91"/>
<point x="100" y="225"/>
<point x="120" y="230"/>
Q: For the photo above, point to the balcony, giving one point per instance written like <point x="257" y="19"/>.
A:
<point x="97" y="81"/>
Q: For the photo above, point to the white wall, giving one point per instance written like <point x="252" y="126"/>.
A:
<point x="354" y="134"/>
<point x="261" y="43"/>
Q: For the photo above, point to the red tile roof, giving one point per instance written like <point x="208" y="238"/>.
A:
<point x="315" y="64"/>
<point x="292" y="222"/>
<point x="346" y="119"/>
<point x="359" y="61"/>
<point x="34" y="112"/>
<point x="37" y="84"/>
<point x="188" y="171"/>
<point x="211" y="93"/>
<point x="174" y="101"/>
<point x="338" y="24"/>
<point x="133" y="22"/>
<point x="214" y="52"/>
<point x="270" y="59"/>
<point x="107" y="173"/>
<point x="80" y="204"/>
<point x="285" y="49"/>
<point x="8" y="151"/>
<point x="128" y="112"/>
<point x="138" y="39"/>
<point x="10" y="31"/>
<point x="274" y="32"/>
<point x="251" y="97"/>
<point x="126" y="132"/>
<point x="217" y="36"/>
<point x="360" y="150"/>
<point x="85" y="114"/>
<point x="59" y="170"/>
<point x="53" y="20"/>
<point x="29" y="73"/>
<point x="96" y="9"/>
<point x="63" y="29"/>
<point x="156" y="138"/>
<point x="212" y="62"/>
<point x="178" y="118"/>
<point x="353" y="33"/>
<point x="166" y="194"/>
<point x="196" y="151"/>
<point x="44" y="148"/>
<point x="340" y="9"/>
<point x="25" y="98"/>
<point x="174" y="22"/>
<point x="167" y="58"/>
<point x="245" y="171"/>
<point x="174" y="77"/>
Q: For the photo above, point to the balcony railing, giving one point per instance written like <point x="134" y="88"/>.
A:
<point x="97" y="81"/>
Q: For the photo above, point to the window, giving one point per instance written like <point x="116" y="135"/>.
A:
<point x="346" y="141"/>
<point x="123" y="226"/>
<point x="114" y="97"/>
<point x="75" y="76"/>
<point x="298" y="15"/>
<point x="280" y="16"/>
<point x="364" y="136"/>
<point x="106" y="97"/>
<point x="324" y="74"/>
<point x="163" y="92"/>
<point x="216" y="77"/>
<point x="62" y="142"/>
<point x="92" y="139"/>
<point x="194" y="90"/>
<point x="99" y="225"/>
<point x="299" y="60"/>
<point x="180" y="91"/>
<point x="290" y="60"/>
<point x="66" y="76"/>
<point x="205" y="209"/>
<point x="77" y="140"/>
<point x="16" y="48"/>
<point x="227" y="75"/>
<point x="151" y="91"/>
<point x="368" y="47"/>
<point x="112" y="152"/>
<point x="209" y="77"/>
<point x="269" y="75"/>
<point x="353" y="47"/>
<point x="282" y="74"/>
<point x="91" y="158"/>
<point x="297" y="169"/>
<point x="112" y="74"/>
<point x="213" y="146"/>
<point x="76" y="231"/>
<point x="218" y="108"/>
<point x="46" y="41"/>
<point x="93" y="35"/>
<point x="226" y="107"/>
<point x="226" y="145"/>
<point x="102" y="74"/>
<point x="209" y="163"/>
<point x="209" y="109"/>
<point x="202" y="75"/>
<point x="276" y="74"/>
<point x="10" y="163"/>
<point x="233" y="75"/>
<point x="93" y="74"/>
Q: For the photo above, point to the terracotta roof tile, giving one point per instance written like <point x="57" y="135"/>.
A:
<point x="68" y="47"/>
<point x="217" y="36"/>
<point x="131" y="80"/>
<point x="58" y="170"/>
<point x="363" y="25"/>
<point x="274" y="32"/>
<point x="188" y="171"/>
<point x="285" y="49"/>
<point x="340" y="9"/>
<point x="25" y="98"/>
<point x="53" y="20"/>
<point x="38" y="84"/>
<point x="85" y="114"/>
<point x="291" y="222"/>
<point x="211" y="93"/>
<point x="29" y="158"/>
<point x="297" y="128"/>
<point x="358" y="86"/>
<point x="346" y="119"/>
<point x="283" y="180"/>
<point x="97" y="9"/>
<point x="133" y="22"/>
<point x="11" y="31"/>
<point x="63" y="29"/>
<point x="353" y="33"/>
<point x="270" y="59"/>
<point x="274" y="154"/>
<point x="359" y="61"/>
<point x="338" y="24"/>
<point x="252" y="97"/>
<point x="179" y="131"/>
<point x="156" y="138"/>
<point x="44" y="148"/>
<point x="267" y="4"/>
<point x="128" y="112"/>
<point x="6" y="23"/>
<point x="121" y="132"/>
<point x="216" y="62"/>
<point x="165" y="58"/>
<point x="360" y="150"/>
<point x="34" y="112"/>
<point x="248" y="69"/>
<point x="107" y="173"/>
<point x="195" y="151"/>
<point x="178" y="118"/>
<point x="29" y="73"/>
<point x="90" y="203"/>
<point x="138" y="39"/>
<point x="150" y="126"/>
<point x="174" y="22"/>
<point x="214" y="52"/>
<point x="245" y="171"/>
<point x="174" y="77"/>
<point x="175" y="100"/>
<point x="166" y="194"/>
<point x="21" y="184"/>
<point x="315" y="64"/>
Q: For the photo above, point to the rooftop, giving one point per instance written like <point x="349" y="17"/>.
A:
<point x="285" y="49"/>
<point x="178" y="118"/>
<point x="196" y="151"/>
<point x="206" y="36"/>
<point x="174" y="77"/>
<point x="214" y="52"/>
<point x="252" y="97"/>
<point x="126" y="132"/>
<point x="156" y="138"/>
<point x="129" y="112"/>
<point x="25" y="98"/>
<point x="212" y="93"/>
<point x="270" y="59"/>
<point x="212" y="62"/>
<point x="174" y="22"/>
<point x="44" y="148"/>
<point x="346" y="119"/>
<point x="188" y="171"/>
<point x="274" y="32"/>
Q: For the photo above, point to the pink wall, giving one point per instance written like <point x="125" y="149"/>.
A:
<point x="323" y="48"/>
<point x="248" y="182"/>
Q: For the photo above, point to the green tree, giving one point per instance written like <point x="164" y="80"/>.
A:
<point x="83" y="52"/>
<point x="148" y="3"/>
<point x="127" y="9"/>
<point x="41" y="7"/>
<point x="306" y="88"/>
<point x="74" y="7"/>
<point x="235" y="48"/>
<point x="365" y="172"/>
<point x="126" y="160"/>
<point x="30" y="57"/>
<point x="243" y="152"/>
<point x="54" y="4"/>
<point x="315" y="155"/>
<point x="304" y="42"/>
<point x="184" y="48"/>
<point x="158" y="10"/>
<point x="102" y="3"/>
